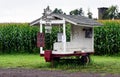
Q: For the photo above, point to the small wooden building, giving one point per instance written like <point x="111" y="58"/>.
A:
<point x="82" y="35"/>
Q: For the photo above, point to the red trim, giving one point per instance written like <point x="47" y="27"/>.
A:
<point x="67" y="55"/>
<point x="49" y="56"/>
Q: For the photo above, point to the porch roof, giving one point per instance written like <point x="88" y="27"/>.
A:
<point x="73" y="19"/>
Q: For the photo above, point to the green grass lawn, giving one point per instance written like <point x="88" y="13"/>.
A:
<point x="22" y="61"/>
<point x="103" y="64"/>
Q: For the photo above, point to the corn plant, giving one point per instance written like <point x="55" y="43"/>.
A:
<point x="17" y="37"/>
<point x="22" y="38"/>
<point x="107" y="38"/>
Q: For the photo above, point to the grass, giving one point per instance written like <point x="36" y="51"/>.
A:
<point x="22" y="61"/>
<point x="105" y="64"/>
<point x="99" y="64"/>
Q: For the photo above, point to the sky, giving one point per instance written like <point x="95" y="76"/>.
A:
<point x="29" y="10"/>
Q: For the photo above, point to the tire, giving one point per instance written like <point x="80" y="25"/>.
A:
<point x="85" y="59"/>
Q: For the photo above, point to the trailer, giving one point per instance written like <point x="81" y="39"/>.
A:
<point x="81" y="42"/>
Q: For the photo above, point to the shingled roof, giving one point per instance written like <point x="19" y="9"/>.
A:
<point x="74" y="19"/>
<point x="79" y="20"/>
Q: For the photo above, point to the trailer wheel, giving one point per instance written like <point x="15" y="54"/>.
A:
<point x="85" y="59"/>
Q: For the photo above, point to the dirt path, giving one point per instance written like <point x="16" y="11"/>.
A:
<point x="46" y="73"/>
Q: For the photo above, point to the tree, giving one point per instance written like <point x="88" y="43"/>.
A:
<point x="58" y="11"/>
<point x="118" y="15"/>
<point x="111" y="13"/>
<point x="89" y="14"/>
<point x="77" y="12"/>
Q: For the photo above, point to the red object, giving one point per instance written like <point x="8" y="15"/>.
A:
<point x="40" y="40"/>
<point x="48" y="55"/>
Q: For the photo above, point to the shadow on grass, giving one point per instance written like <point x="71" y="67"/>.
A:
<point x="69" y="64"/>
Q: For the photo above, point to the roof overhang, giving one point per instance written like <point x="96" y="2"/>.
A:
<point x="56" y="19"/>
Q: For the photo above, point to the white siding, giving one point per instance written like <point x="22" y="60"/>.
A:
<point x="78" y="42"/>
<point x="78" y="35"/>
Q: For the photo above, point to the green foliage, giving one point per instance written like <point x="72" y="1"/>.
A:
<point x="111" y="13"/>
<point x="107" y="38"/>
<point x="77" y="12"/>
<point x="17" y="37"/>
<point x="22" y="38"/>
<point x="58" y="11"/>
<point x="22" y="61"/>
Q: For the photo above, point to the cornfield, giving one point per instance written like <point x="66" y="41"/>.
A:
<point x="107" y="38"/>
<point x="17" y="38"/>
<point x="22" y="38"/>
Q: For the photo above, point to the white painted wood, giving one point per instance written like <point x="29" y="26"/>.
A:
<point x="78" y="35"/>
<point x="41" y="48"/>
<point x="70" y="47"/>
<point x="84" y="25"/>
<point x="34" y="23"/>
<point x="58" y="52"/>
<point x="71" y="21"/>
<point x="41" y="26"/>
<point x="59" y="37"/>
<point x="64" y="36"/>
<point x="78" y="42"/>
<point x="54" y="22"/>
<point x="93" y="39"/>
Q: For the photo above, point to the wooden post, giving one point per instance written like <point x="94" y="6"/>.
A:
<point x="41" y="48"/>
<point x="64" y="36"/>
<point x="93" y="39"/>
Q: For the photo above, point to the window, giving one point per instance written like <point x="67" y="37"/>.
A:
<point x="88" y="32"/>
